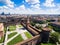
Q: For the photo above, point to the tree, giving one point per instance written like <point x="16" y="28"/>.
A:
<point x="32" y="23"/>
<point x="55" y="37"/>
<point x="42" y="22"/>
<point x="50" y="26"/>
<point x="38" y="26"/>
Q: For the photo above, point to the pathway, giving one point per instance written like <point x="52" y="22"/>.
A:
<point x="24" y="36"/>
<point x="19" y="30"/>
<point x="12" y="38"/>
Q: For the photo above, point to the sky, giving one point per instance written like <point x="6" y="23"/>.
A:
<point x="30" y="6"/>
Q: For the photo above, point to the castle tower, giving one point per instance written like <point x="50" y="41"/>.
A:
<point x="28" y="22"/>
<point x="45" y="35"/>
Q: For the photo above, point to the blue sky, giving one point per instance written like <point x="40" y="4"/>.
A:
<point x="30" y="6"/>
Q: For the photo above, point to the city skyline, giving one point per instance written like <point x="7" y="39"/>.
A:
<point x="30" y="6"/>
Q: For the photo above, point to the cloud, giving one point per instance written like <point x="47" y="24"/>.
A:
<point x="32" y="1"/>
<point x="23" y="10"/>
<point x="27" y="0"/>
<point x="49" y="3"/>
<point x="35" y="4"/>
<point x="35" y="7"/>
<point x="9" y="3"/>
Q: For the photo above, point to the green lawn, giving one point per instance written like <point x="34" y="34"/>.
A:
<point x="12" y="34"/>
<point x="20" y="26"/>
<point x="28" y="34"/>
<point x="15" y="40"/>
<point x="12" y="27"/>
<point x="2" y="39"/>
<point x="47" y="44"/>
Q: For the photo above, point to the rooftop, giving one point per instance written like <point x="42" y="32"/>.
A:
<point x="46" y="29"/>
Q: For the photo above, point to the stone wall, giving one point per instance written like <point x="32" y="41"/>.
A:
<point x="31" y="41"/>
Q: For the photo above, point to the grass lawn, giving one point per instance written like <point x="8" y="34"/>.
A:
<point x="2" y="39"/>
<point x="28" y="34"/>
<point x="15" y="40"/>
<point x="12" y="34"/>
<point x="48" y="44"/>
<point x="20" y="25"/>
<point x="12" y="27"/>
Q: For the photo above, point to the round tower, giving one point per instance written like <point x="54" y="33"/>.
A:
<point x="45" y="35"/>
